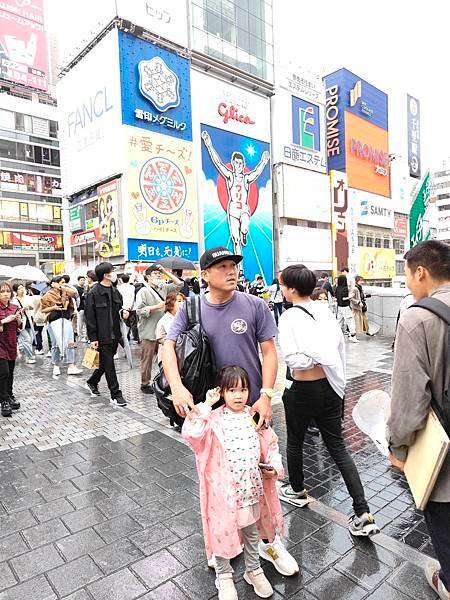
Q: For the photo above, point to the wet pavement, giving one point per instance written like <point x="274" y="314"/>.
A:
<point x="102" y="503"/>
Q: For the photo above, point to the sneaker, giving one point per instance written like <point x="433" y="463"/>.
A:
<point x="6" y="409"/>
<point x="73" y="370"/>
<point x="30" y="361"/>
<point x="14" y="404"/>
<point x="363" y="526"/>
<point x="300" y="499"/>
<point x="260" y="583"/>
<point x="56" y="371"/>
<point x="353" y="339"/>
<point x="92" y="388"/>
<point x="277" y="554"/>
<point x="432" y="574"/>
<point x="313" y="430"/>
<point x="147" y="388"/>
<point x="49" y="354"/>
<point x="119" y="401"/>
<point x="212" y="562"/>
<point x="39" y="352"/>
<point x="225" y="587"/>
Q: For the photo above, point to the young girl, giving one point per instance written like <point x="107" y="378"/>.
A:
<point x="237" y="468"/>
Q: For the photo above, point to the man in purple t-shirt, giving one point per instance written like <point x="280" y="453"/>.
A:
<point x="235" y="324"/>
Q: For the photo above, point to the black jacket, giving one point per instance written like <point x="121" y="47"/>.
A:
<point x="103" y="322"/>
<point x="81" y="293"/>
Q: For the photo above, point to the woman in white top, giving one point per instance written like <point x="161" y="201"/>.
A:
<point x="26" y="335"/>
<point x="173" y="302"/>
<point x="313" y="347"/>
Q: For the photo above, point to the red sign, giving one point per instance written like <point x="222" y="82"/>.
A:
<point x="231" y="112"/>
<point x="44" y="242"/>
<point x="23" y="43"/>
<point x="85" y="237"/>
<point x="32" y="10"/>
<point x="400" y="229"/>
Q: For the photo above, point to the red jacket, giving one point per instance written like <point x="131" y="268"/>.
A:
<point x="8" y="333"/>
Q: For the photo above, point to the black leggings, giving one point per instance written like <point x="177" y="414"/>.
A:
<point x="317" y="399"/>
<point x="6" y="379"/>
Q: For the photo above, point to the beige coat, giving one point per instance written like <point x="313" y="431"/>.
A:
<point x="420" y="370"/>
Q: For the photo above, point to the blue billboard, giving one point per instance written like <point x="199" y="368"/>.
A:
<point x="156" y="88"/>
<point x="345" y="91"/>
<point x="153" y="250"/>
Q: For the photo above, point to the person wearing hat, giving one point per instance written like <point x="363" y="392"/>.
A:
<point x="238" y="326"/>
<point x="150" y="303"/>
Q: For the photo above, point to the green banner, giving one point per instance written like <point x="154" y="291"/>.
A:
<point x="419" y="230"/>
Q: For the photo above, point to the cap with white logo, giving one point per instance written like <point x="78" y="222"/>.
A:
<point x="218" y="254"/>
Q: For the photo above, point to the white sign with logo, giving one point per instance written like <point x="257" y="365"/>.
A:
<point x="372" y="209"/>
<point x="298" y="132"/>
<point x="90" y="117"/>
<point x="302" y="194"/>
<point x="167" y="18"/>
<point x="229" y="107"/>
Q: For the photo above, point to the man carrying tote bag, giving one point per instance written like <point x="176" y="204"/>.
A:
<point x="420" y="381"/>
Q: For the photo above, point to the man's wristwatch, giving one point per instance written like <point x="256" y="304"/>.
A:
<point x="269" y="392"/>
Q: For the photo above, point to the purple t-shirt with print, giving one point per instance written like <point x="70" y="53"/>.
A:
<point x="234" y="329"/>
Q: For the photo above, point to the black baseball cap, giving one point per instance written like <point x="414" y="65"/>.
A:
<point x="214" y="255"/>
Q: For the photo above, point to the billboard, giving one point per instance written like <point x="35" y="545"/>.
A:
<point x="156" y="90"/>
<point x="346" y="93"/>
<point x="376" y="263"/>
<point x="303" y="194"/>
<point x="400" y="229"/>
<point x="108" y="217"/>
<point x="367" y="156"/>
<point x="236" y="195"/>
<point x="298" y="139"/>
<point x="306" y="245"/>
<point x="89" y="105"/>
<point x="413" y="111"/>
<point x="372" y="209"/>
<point x="16" y="181"/>
<point x="167" y="18"/>
<point x="419" y="227"/>
<point x="339" y="226"/>
<point x="31" y="240"/>
<point x="162" y="198"/>
<point x="23" y="44"/>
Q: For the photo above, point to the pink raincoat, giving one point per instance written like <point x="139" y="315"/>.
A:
<point x="204" y="434"/>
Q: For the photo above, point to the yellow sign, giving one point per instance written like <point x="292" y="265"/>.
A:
<point x="161" y="187"/>
<point x="376" y="263"/>
<point x="58" y="268"/>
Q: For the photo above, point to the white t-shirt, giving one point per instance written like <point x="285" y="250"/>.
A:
<point x="306" y="342"/>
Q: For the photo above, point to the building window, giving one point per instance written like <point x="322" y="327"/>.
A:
<point x="360" y="240"/>
<point x="386" y="243"/>
<point x="399" y="245"/>
<point x="53" y="129"/>
<point x="369" y="242"/>
<point x="7" y="120"/>
<point x="377" y="243"/>
<point x="399" y="267"/>
<point x="8" y="149"/>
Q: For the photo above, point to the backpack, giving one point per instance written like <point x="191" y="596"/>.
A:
<point x="196" y="363"/>
<point x="441" y="310"/>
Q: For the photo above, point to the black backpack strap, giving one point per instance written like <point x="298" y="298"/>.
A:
<point x="441" y="310"/>
<point x="193" y="310"/>
<point x="304" y="310"/>
<point x="435" y="306"/>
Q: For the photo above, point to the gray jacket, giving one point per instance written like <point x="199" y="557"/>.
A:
<point x="420" y="371"/>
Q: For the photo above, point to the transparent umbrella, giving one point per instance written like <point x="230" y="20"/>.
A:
<point x="6" y="272"/>
<point x="29" y="273"/>
<point x="370" y="415"/>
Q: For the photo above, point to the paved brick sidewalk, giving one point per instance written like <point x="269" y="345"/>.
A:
<point x="111" y="511"/>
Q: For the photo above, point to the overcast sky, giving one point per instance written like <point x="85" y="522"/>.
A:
<point x="398" y="46"/>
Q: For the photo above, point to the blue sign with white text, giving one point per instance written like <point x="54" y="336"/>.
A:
<point x="152" y="250"/>
<point x="156" y="88"/>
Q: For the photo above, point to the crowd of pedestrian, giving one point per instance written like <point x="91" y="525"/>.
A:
<point x="229" y="429"/>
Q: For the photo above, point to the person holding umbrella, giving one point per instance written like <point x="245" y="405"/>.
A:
<point x="58" y="305"/>
<point x="10" y="322"/>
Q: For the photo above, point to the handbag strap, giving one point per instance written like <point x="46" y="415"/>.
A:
<point x="304" y="310"/>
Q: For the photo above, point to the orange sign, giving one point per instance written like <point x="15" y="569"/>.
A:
<point x="367" y="156"/>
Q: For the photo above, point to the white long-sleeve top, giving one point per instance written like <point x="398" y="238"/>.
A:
<point x="306" y="342"/>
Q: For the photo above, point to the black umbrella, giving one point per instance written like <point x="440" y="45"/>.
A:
<point x="176" y="262"/>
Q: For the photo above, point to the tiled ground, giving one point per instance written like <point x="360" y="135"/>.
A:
<point x="111" y="512"/>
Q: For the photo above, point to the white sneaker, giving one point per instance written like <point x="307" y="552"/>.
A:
<point x="56" y="371"/>
<point x="30" y="361"/>
<point x="353" y="339"/>
<point x="39" y="352"/>
<point x="225" y="587"/>
<point x="260" y="583"/>
<point x="212" y="562"/>
<point x="73" y="370"/>
<point x="49" y="353"/>
<point x="277" y="554"/>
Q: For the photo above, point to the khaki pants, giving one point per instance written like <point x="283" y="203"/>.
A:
<point x="361" y="321"/>
<point x="147" y="356"/>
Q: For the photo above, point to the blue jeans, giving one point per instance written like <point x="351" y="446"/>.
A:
<point x="68" y="352"/>
<point x="26" y="339"/>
